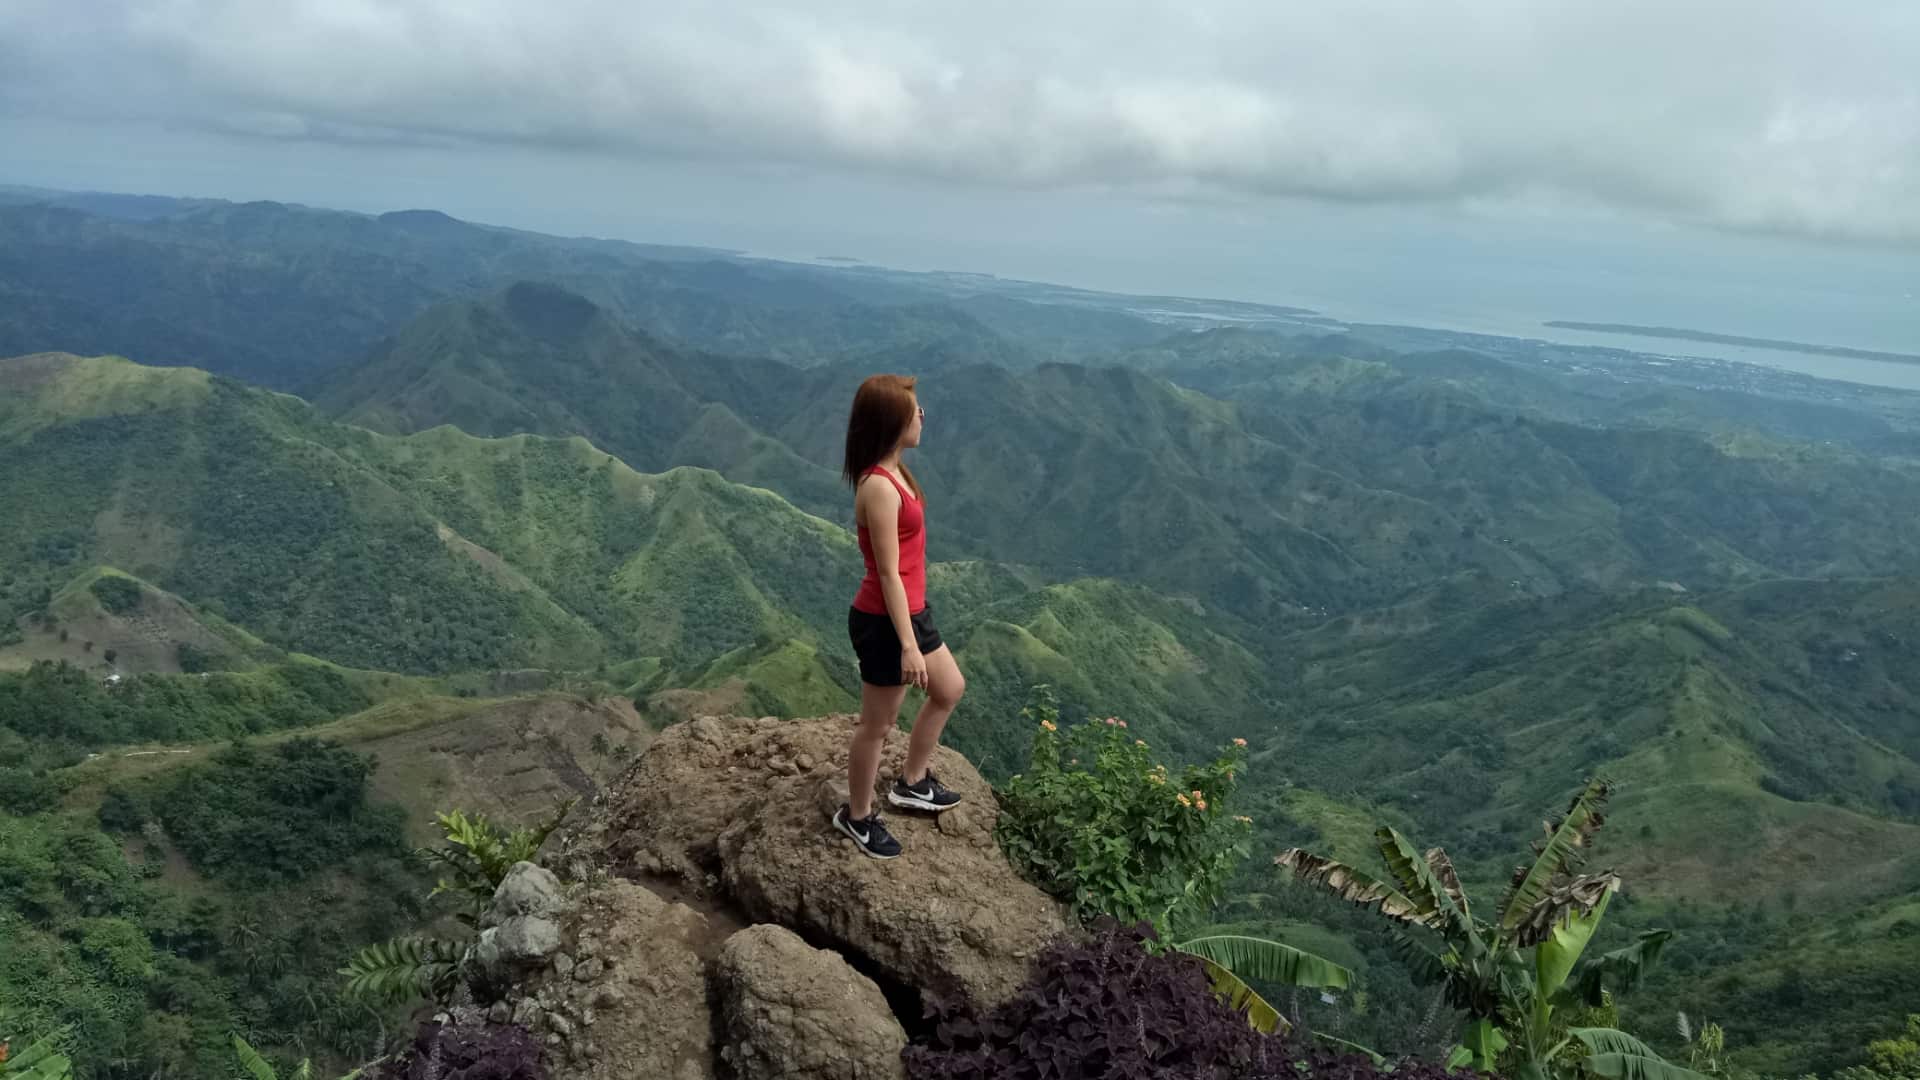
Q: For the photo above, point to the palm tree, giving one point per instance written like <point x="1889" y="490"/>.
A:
<point x="1511" y="974"/>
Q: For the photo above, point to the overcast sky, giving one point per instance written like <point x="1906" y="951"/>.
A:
<point x="1749" y="166"/>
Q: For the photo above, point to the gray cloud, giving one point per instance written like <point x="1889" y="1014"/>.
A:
<point x="1763" y="115"/>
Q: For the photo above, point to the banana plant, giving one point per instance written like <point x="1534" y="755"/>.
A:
<point x="1232" y="959"/>
<point x="1512" y="972"/>
<point x="38" y="1060"/>
<point x="259" y="1068"/>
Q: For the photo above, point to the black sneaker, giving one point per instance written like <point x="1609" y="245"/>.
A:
<point x="928" y="794"/>
<point x="869" y="834"/>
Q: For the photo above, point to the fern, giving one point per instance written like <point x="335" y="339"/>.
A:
<point x="405" y="968"/>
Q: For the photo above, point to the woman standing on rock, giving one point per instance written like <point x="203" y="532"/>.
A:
<point x="891" y="624"/>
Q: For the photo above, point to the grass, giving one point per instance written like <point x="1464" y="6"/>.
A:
<point x="789" y="675"/>
<point x="67" y="388"/>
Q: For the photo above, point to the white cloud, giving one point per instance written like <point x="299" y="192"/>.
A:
<point x="1757" y="114"/>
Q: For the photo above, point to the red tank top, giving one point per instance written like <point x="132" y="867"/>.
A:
<point x="913" y="556"/>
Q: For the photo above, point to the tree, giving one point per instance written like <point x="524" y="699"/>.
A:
<point x="1890" y="1059"/>
<point x="1513" y="974"/>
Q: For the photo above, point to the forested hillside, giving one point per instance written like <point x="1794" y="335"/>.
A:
<point x="541" y="498"/>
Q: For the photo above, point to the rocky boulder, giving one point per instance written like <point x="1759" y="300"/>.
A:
<point x="522" y="928"/>
<point x="736" y="811"/>
<point x="790" y="1011"/>
<point x="627" y="994"/>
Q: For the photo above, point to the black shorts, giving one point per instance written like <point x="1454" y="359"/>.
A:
<point x="878" y="647"/>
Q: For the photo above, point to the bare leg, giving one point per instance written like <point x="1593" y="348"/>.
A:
<point x="879" y="714"/>
<point x="945" y="684"/>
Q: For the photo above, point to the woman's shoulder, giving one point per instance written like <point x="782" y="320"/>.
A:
<point x="876" y="484"/>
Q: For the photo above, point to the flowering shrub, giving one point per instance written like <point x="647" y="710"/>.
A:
<point x="1111" y="1008"/>
<point x="1097" y="822"/>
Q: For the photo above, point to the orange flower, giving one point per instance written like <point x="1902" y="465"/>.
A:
<point x="1200" y="804"/>
<point x="1156" y="778"/>
<point x="1198" y="794"/>
<point x="1184" y="801"/>
<point x="1122" y="723"/>
<point x="1243" y="819"/>
<point x="1110" y="721"/>
<point x="1239" y="742"/>
<point x="1139" y="742"/>
<point x="1049" y="725"/>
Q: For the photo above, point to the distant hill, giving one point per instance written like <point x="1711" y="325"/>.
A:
<point x="536" y="359"/>
<point x="281" y="295"/>
<point x="145" y="628"/>
<point x="1762" y="737"/>
<point x="1336" y="482"/>
<point x="433" y="552"/>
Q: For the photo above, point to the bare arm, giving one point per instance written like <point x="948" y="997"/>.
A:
<point x="878" y="504"/>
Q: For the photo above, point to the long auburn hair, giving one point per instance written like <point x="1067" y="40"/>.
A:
<point x="883" y="409"/>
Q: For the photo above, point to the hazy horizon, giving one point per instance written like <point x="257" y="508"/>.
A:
<point x="1486" y="165"/>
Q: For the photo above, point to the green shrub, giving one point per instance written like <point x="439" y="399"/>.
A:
<point x="117" y="594"/>
<point x="1097" y="822"/>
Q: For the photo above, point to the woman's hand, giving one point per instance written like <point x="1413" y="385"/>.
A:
<point x="913" y="667"/>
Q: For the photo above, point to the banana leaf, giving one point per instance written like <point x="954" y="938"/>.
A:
<point x="1560" y="854"/>
<point x="1269" y="961"/>
<point x="1352" y="885"/>
<point x="1616" y="1055"/>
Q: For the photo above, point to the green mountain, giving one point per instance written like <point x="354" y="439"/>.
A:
<point x="1435" y="587"/>
<point x="1716" y="699"/>
<point x="1346" y="483"/>
<point x="433" y="552"/>
<point x="1582" y="386"/>
<point x="1174" y="669"/>
<point x="535" y="359"/>
<point x="1764" y="741"/>
<point x="282" y="295"/>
